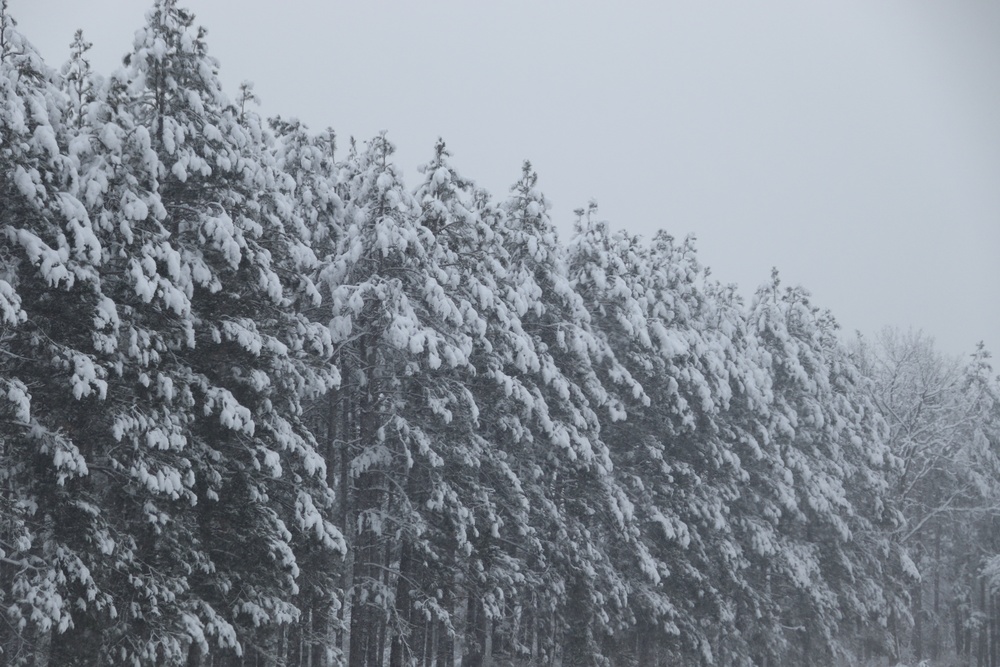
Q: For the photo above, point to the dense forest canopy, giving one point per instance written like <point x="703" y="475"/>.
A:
<point x="263" y="403"/>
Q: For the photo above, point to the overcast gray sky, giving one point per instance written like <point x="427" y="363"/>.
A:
<point x="853" y="144"/>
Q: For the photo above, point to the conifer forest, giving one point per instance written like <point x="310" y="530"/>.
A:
<point x="263" y="404"/>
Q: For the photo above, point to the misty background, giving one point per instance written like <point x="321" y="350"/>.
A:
<point x="853" y="145"/>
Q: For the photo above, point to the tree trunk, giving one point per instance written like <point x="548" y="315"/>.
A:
<point x="308" y="645"/>
<point x="383" y="625"/>
<point x="404" y="605"/>
<point x="981" y="652"/>
<point x="428" y="634"/>
<point x="993" y="629"/>
<point x="437" y="643"/>
<point x="968" y="643"/>
<point x="348" y="435"/>
<point x="959" y="634"/>
<point x="363" y="619"/>
<point x="894" y="634"/>
<point x="646" y="649"/>
<point x="936" y="630"/>
<point x="283" y="651"/>
<point x="576" y="635"/>
<point x="918" y="623"/>
<point x="461" y="616"/>
<point x="488" y="642"/>
<point x="533" y="623"/>
<point x="367" y="625"/>
<point x="43" y="648"/>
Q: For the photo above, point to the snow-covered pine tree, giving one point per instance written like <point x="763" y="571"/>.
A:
<point x="543" y="461"/>
<point x="824" y="572"/>
<point x="294" y="223"/>
<point x="310" y="180"/>
<point x="403" y="344"/>
<point x="577" y="594"/>
<point x="485" y="562"/>
<point x="612" y="274"/>
<point x="675" y="460"/>
<point x="53" y="375"/>
<point x="753" y="633"/>
<point x="219" y="487"/>
<point x="78" y="80"/>
<point x="312" y="172"/>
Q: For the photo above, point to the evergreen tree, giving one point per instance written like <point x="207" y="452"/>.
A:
<point x="485" y="568"/>
<point x="259" y="405"/>
<point x="317" y="215"/>
<point x="578" y="593"/>
<point x="680" y="465"/>
<point x="403" y="341"/>
<point x="830" y="444"/>
<point x="53" y="373"/>
<point x="218" y="486"/>
<point x="78" y="80"/>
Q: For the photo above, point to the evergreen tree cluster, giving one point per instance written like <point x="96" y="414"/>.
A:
<point x="261" y="404"/>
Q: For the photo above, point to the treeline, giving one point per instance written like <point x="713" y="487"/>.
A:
<point x="261" y="404"/>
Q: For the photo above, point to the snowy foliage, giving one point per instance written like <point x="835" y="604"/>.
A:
<point x="262" y="404"/>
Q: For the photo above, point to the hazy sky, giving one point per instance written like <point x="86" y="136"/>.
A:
<point x="853" y="144"/>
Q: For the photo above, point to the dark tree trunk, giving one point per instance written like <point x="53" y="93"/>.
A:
<point x="936" y="630"/>
<point x="993" y="629"/>
<point x="404" y="605"/>
<point x="575" y="636"/>
<point x="959" y="634"/>
<point x="646" y="648"/>
<point x="981" y="650"/>
<point x="918" y="622"/>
